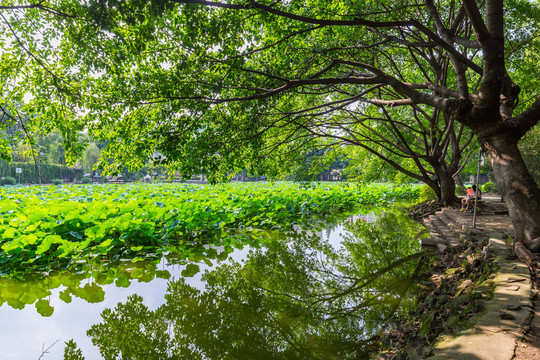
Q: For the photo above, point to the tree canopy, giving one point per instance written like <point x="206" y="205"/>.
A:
<point x="223" y="85"/>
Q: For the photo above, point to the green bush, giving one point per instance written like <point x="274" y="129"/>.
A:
<point x="461" y="190"/>
<point x="426" y="193"/>
<point x="48" y="172"/>
<point x="57" y="181"/>
<point x="489" y="187"/>
<point x="86" y="180"/>
<point x="8" y="181"/>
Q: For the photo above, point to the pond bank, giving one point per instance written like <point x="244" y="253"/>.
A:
<point x="497" y="331"/>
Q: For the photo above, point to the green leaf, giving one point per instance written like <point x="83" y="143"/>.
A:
<point x="426" y="322"/>
<point x="44" y="308"/>
<point x="190" y="270"/>
<point x="9" y="233"/>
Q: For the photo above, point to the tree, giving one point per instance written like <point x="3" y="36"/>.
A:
<point x="193" y="79"/>
<point x="440" y="176"/>
<point x="90" y="157"/>
<point x="30" y="106"/>
<point x="425" y="147"/>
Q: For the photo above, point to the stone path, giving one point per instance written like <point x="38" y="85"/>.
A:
<point x="498" y="329"/>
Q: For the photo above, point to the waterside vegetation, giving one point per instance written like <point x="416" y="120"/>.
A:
<point x="44" y="228"/>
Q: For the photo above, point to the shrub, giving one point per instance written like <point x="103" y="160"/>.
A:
<point x="489" y="187"/>
<point x="426" y="193"/>
<point x="8" y="180"/>
<point x="461" y="190"/>
<point x="86" y="180"/>
<point x="29" y="171"/>
<point x="57" y="181"/>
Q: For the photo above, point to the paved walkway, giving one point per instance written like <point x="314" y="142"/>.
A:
<point x="496" y="331"/>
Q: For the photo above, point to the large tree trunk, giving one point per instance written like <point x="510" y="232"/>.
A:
<point x="517" y="186"/>
<point x="444" y="186"/>
<point x="448" y="190"/>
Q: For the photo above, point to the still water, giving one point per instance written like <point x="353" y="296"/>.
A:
<point x="298" y="295"/>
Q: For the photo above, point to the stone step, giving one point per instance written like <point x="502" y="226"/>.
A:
<point x="449" y="228"/>
<point x="433" y="241"/>
<point x="440" y="248"/>
<point x="445" y="219"/>
<point x="443" y="231"/>
<point x="428" y="223"/>
<point x="463" y="225"/>
<point x="433" y="226"/>
<point x="449" y="222"/>
<point x="458" y="221"/>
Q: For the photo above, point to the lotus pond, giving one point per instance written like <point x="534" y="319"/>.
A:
<point x="236" y="271"/>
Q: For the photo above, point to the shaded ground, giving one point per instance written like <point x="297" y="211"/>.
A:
<point x="528" y="348"/>
<point x="490" y="219"/>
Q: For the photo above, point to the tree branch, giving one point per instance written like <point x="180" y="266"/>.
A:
<point x="522" y="123"/>
<point x="477" y="21"/>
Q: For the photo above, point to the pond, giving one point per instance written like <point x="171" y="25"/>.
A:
<point x="304" y="294"/>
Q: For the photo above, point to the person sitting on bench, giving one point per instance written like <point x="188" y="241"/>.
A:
<point x="472" y="194"/>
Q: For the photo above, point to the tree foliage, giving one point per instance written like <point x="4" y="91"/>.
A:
<point x="36" y="87"/>
<point x="218" y="86"/>
<point x="90" y="157"/>
<point x="530" y="147"/>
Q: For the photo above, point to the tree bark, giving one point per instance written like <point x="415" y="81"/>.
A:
<point x="517" y="186"/>
<point x="444" y="186"/>
<point x="448" y="190"/>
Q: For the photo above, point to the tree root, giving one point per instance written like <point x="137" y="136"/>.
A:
<point x="523" y="253"/>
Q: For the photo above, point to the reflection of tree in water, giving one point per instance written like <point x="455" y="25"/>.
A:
<point x="86" y="284"/>
<point x="296" y="299"/>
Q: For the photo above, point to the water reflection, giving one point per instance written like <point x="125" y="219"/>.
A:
<point x="291" y="296"/>
<point x="87" y="279"/>
<point x="299" y="297"/>
<point x="69" y="302"/>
